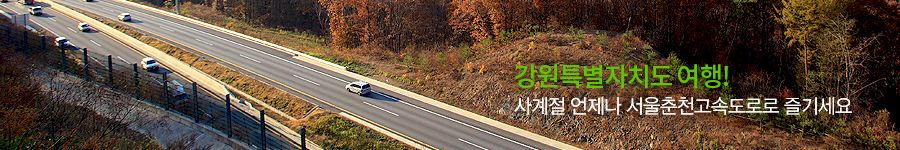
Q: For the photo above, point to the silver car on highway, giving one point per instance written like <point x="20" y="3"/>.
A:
<point x="149" y="64"/>
<point x="358" y="87"/>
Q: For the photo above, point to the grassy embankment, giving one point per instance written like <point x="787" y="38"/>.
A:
<point x="327" y="129"/>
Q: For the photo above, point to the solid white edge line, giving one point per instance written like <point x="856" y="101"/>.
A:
<point x="95" y="59"/>
<point x="47" y="29"/>
<point x="242" y="55"/>
<point x="454" y="120"/>
<point x="306" y="80"/>
<point x="473" y="144"/>
<point x="367" y="103"/>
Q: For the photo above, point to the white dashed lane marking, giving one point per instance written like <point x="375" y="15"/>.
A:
<point x="92" y="41"/>
<point x="170" y="30"/>
<point x="123" y="60"/>
<point x="242" y="55"/>
<point x="210" y="44"/>
<point x="306" y="80"/>
<point x="392" y="113"/>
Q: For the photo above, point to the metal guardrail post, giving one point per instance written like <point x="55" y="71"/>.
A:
<point x="63" y="58"/>
<point x="262" y="128"/>
<point x="166" y="90"/>
<point x="196" y="105"/>
<point x="86" y="69"/>
<point x="228" y="112"/>
<point x="137" y="89"/>
<point x="109" y="77"/>
<point x="303" y="138"/>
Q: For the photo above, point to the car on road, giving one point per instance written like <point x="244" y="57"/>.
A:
<point x="62" y="42"/>
<point x="36" y="10"/>
<point x="149" y="64"/>
<point x="125" y="17"/>
<point x="26" y="2"/>
<point x="4" y="1"/>
<point x="176" y="89"/>
<point x="88" y="0"/>
<point x="84" y="27"/>
<point x="358" y="87"/>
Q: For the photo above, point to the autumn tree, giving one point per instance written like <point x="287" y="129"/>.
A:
<point x="342" y="22"/>
<point x="804" y="21"/>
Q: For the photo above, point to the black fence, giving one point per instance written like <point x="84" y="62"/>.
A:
<point x="159" y="87"/>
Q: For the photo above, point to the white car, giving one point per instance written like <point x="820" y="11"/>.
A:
<point x="26" y="2"/>
<point x="62" y="42"/>
<point x="36" y="10"/>
<point x="149" y="64"/>
<point x="176" y="88"/>
<point x="84" y="27"/>
<point x="358" y="87"/>
<point x="125" y="17"/>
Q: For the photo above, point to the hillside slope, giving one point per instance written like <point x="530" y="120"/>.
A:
<point x="487" y="86"/>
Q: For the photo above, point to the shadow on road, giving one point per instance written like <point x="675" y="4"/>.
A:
<point x="45" y="15"/>
<point x="161" y="70"/>
<point x="381" y="96"/>
<point x="133" y="21"/>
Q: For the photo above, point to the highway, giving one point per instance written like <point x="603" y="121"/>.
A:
<point x="56" y="24"/>
<point x="430" y="126"/>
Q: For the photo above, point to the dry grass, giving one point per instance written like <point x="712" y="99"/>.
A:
<point x="289" y="104"/>
<point x="331" y="131"/>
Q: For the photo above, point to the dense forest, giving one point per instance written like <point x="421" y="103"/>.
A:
<point x="806" y="48"/>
